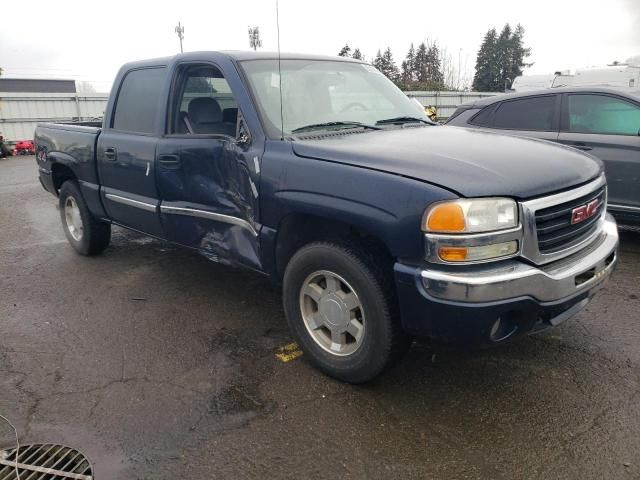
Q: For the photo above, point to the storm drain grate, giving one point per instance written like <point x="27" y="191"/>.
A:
<point x="44" y="462"/>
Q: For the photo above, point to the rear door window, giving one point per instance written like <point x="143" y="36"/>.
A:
<point x="534" y="113"/>
<point x="139" y="100"/>
<point x="589" y="113"/>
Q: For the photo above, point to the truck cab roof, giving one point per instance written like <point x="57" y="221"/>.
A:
<point x="234" y="55"/>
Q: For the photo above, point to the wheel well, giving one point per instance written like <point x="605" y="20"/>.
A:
<point x="297" y="230"/>
<point x="60" y="174"/>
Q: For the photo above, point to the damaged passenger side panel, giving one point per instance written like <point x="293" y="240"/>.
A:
<point x="209" y="195"/>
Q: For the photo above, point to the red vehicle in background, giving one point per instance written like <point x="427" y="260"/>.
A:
<point x="24" y="147"/>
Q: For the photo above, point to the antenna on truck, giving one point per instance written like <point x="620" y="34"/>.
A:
<point x="279" y="73"/>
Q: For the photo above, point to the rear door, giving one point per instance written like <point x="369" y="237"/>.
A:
<point x="608" y="127"/>
<point x="208" y="169"/>
<point x="127" y="149"/>
<point x="536" y="116"/>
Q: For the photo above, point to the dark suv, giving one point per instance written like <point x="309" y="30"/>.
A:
<point x="601" y="121"/>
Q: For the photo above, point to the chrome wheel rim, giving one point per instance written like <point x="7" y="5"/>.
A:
<point x="332" y="313"/>
<point x="73" y="218"/>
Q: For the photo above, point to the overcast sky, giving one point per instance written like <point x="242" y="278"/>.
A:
<point x="90" y="40"/>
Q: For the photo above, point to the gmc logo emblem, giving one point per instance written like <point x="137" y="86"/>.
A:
<point x="580" y="214"/>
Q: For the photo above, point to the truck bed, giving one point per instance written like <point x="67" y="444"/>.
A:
<point x="71" y="145"/>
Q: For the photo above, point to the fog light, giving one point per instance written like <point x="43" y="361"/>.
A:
<point x="484" y="252"/>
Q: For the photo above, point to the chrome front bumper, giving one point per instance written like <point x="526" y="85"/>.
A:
<point x="563" y="279"/>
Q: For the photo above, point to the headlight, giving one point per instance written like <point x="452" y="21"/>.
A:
<point x="472" y="230"/>
<point x="471" y="216"/>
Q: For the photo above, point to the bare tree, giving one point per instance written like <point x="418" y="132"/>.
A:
<point x="85" y="87"/>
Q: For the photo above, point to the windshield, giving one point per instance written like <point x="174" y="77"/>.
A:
<point x="317" y="92"/>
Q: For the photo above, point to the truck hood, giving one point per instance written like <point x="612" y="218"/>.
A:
<point x="472" y="163"/>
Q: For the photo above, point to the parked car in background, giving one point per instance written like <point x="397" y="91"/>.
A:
<point x="601" y="121"/>
<point x="24" y="147"/>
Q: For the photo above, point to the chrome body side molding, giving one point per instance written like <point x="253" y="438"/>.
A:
<point x="131" y="202"/>
<point x="218" y="217"/>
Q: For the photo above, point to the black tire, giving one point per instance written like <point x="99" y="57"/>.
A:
<point x="383" y="341"/>
<point x="95" y="235"/>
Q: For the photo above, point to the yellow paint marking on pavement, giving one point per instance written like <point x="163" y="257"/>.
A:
<point x="289" y="352"/>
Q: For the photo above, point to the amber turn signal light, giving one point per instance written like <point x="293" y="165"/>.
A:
<point x="446" y="217"/>
<point x="453" y="254"/>
<point x="480" y="252"/>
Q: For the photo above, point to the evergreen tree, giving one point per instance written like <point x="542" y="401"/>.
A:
<point x="345" y="51"/>
<point x="486" y="76"/>
<point x="518" y="54"/>
<point x="501" y="59"/>
<point x="435" y="78"/>
<point x="357" y="54"/>
<point x="387" y="66"/>
<point x="420" y="64"/>
<point x="378" y="62"/>
<point x="408" y="66"/>
<point x="390" y="67"/>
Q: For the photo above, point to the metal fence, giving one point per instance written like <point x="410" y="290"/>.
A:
<point x="21" y="112"/>
<point x="447" y="102"/>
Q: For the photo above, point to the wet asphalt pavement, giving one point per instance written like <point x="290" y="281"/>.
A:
<point x="157" y="363"/>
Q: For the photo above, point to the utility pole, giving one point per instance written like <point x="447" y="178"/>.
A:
<point x="254" y="38"/>
<point x="180" y="31"/>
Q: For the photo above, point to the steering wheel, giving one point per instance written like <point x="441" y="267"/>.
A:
<point x="357" y="106"/>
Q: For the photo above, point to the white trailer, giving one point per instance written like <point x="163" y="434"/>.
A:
<point x="623" y="76"/>
<point x="526" y="83"/>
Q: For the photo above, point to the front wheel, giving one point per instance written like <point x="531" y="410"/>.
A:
<point x="87" y="235"/>
<point x="342" y="311"/>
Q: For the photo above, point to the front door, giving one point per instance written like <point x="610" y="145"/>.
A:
<point x="208" y="171"/>
<point x="609" y="128"/>
<point x="126" y="152"/>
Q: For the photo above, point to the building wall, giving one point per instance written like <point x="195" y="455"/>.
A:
<point x="37" y="85"/>
<point x="20" y="112"/>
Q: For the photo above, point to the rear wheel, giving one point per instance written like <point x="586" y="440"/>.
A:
<point x="341" y="308"/>
<point x="85" y="233"/>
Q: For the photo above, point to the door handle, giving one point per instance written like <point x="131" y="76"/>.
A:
<point x="110" y="153"/>
<point x="169" y="161"/>
<point x="582" y="146"/>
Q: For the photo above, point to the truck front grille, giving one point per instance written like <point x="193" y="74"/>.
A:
<point x="554" y="227"/>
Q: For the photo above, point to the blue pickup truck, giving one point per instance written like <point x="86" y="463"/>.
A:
<point x="320" y="173"/>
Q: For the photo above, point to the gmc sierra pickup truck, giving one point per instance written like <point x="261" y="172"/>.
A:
<point x="320" y="173"/>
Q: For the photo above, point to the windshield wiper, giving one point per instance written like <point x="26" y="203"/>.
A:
<point x="318" y="126"/>
<point x="404" y="119"/>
